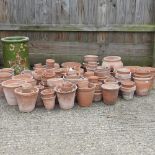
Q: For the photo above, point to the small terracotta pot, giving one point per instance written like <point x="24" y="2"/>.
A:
<point x="53" y="82"/>
<point x="26" y="101"/>
<point x="142" y="86"/>
<point x="47" y="93"/>
<point x="110" y="93"/>
<point x="90" y="58"/>
<point x="8" y="87"/>
<point x="93" y="79"/>
<point x="97" y="97"/>
<point x="112" y="62"/>
<point x="83" y="83"/>
<point x="5" y="76"/>
<point x="88" y="74"/>
<point x="85" y="95"/>
<point x="49" y="103"/>
<point x="66" y="99"/>
<point x="132" y="68"/>
<point x="50" y="63"/>
<point x="128" y="92"/>
<point x="39" y="65"/>
<point x="111" y="81"/>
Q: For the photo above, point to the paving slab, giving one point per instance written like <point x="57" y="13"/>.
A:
<point x="127" y="128"/>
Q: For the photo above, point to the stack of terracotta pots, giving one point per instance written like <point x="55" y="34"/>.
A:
<point x="91" y="62"/>
<point x="123" y="74"/>
<point x="48" y="96"/>
<point x="98" y="90"/>
<point x="66" y="95"/>
<point x="128" y="89"/>
<point x="143" y="81"/>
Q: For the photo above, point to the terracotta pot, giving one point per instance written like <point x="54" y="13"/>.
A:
<point x="53" y="82"/>
<point x="142" y="71"/>
<point x="39" y="65"/>
<point x="128" y="92"/>
<point x="5" y="76"/>
<point x="70" y="65"/>
<point x="83" y="83"/>
<point x="8" y="70"/>
<point x="50" y="63"/>
<point x="88" y="74"/>
<point x="24" y="77"/>
<point x="110" y="93"/>
<point x="26" y="101"/>
<point x="97" y="97"/>
<point x="111" y="81"/>
<point x="112" y="62"/>
<point x="142" y="86"/>
<point x="49" y="103"/>
<point x="47" y="93"/>
<point x="26" y="88"/>
<point x="56" y="66"/>
<point x="132" y="68"/>
<point x="85" y="95"/>
<point x="8" y="87"/>
<point x="39" y="102"/>
<point x="93" y="79"/>
<point x="66" y="99"/>
<point x="37" y="74"/>
<point x="90" y="58"/>
<point x="128" y="84"/>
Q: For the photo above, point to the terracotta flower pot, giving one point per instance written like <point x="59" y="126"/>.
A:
<point x="142" y="86"/>
<point x="66" y="99"/>
<point x="50" y="63"/>
<point x="71" y="64"/>
<point x="26" y="101"/>
<point x="110" y="93"/>
<point x="5" y="76"/>
<point x="132" y="68"/>
<point x="93" y="79"/>
<point x="49" y="103"/>
<point x="38" y="65"/>
<point x="128" y="92"/>
<point x="88" y="74"/>
<point x="112" y="62"/>
<point x="47" y="93"/>
<point x="83" y="83"/>
<point x="53" y="82"/>
<point x="8" y="87"/>
<point x="128" y="84"/>
<point x="111" y="81"/>
<point x="85" y="95"/>
<point x="8" y="70"/>
<point x="90" y="58"/>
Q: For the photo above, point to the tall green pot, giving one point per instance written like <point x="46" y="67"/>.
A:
<point x="16" y="53"/>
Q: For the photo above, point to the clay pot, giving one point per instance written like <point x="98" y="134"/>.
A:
<point x="26" y="101"/>
<point x="39" y="65"/>
<point x="66" y="99"/>
<point x="128" y="84"/>
<point x="47" y="93"/>
<point x="53" y="82"/>
<point x="123" y="74"/>
<point x="112" y="62"/>
<point x="128" y="92"/>
<point x="142" y="85"/>
<point x="49" y="103"/>
<point x="37" y="74"/>
<point x="110" y="93"/>
<point x="132" y="68"/>
<point x="39" y="102"/>
<point x="97" y="97"/>
<point x="26" y="88"/>
<point x="143" y="72"/>
<point x="111" y="81"/>
<point x="93" y="79"/>
<point x="8" y="70"/>
<point x="90" y="58"/>
<point x="50" y="63"/>
<point x="71" y="65"/>
<point x="88" y="74"/>
<point x="8" y="87"/>
<point x="23" y="77"/>
<point x="5" y="76"/>
<point x="85" y="95"/>
<point x="83" y="83"/>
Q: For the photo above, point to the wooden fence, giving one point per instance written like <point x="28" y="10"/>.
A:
<point x="68" y="29"/>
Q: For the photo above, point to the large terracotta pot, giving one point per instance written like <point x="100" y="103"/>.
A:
<point x="142" y="85"/>
<point x="112" y="62"/>
<point x="85" y="95"/>
<point x="15" y="53"/>
<point x="66" y="99"/>
<point x="8" y="87"/>
<point x="110" y="93"/>
<point x="26" y="101"/>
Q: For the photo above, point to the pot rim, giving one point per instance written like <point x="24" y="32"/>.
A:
<point x="111" y="58"/>
<point x="4" y="74"/>
<point x="112" y="86"/>
<point x="26" y="94"/>
<point x="48" y="98"/>
<point x="18" y="83"/>
<point x="15" y="39"/>
<point x="128" y="89"/>
<point x="68" y="92"/>
<point x="142" y="79"/>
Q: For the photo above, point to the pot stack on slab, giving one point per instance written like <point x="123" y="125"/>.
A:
<point x="50" y="85"/>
